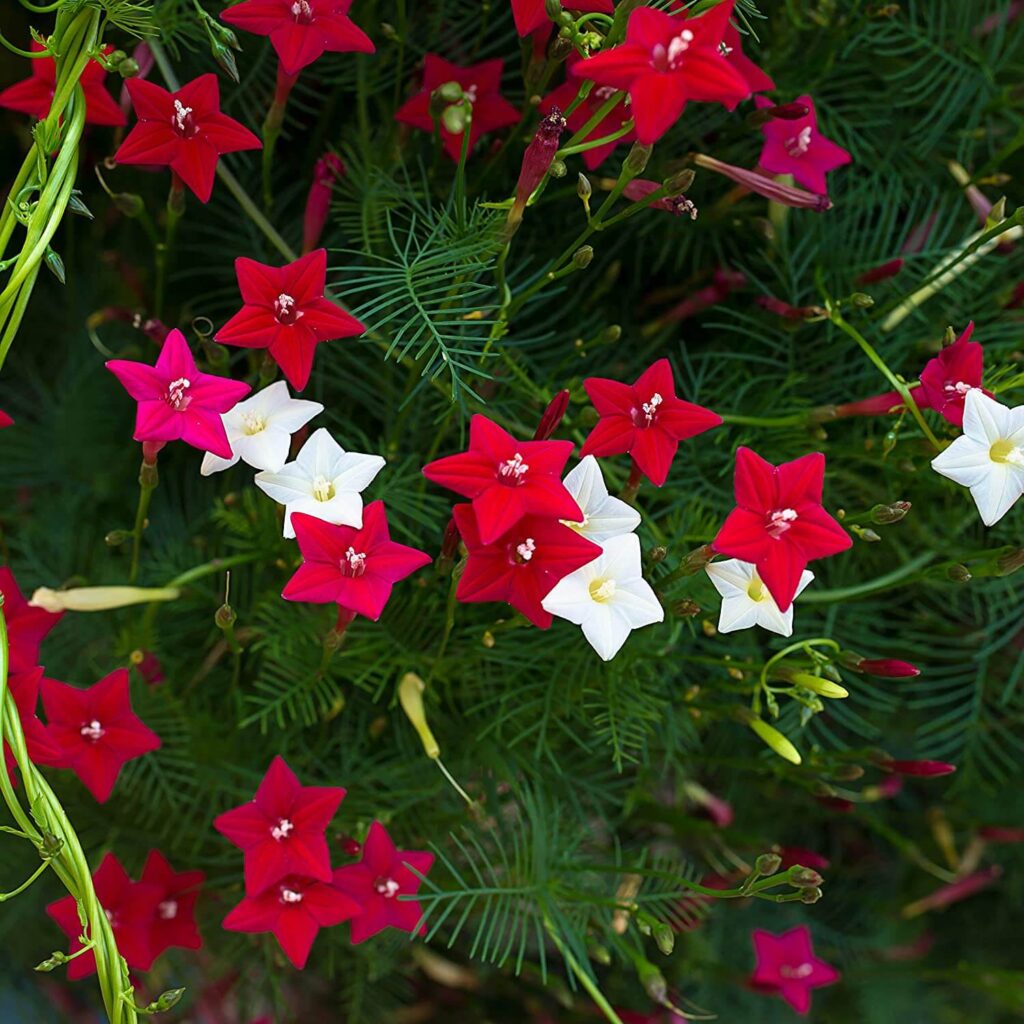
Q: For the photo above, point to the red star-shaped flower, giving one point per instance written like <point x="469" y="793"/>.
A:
<point x="644" y="419"/>
<point x="376" y="884"/>
<point x="480" y="82"/>
<point x="521" y="566"/>
<point x="732" y="50"/>
<point x="285" y="312"/>
<point x="5" y="420"/>
<point x="174" y="920"/>
<point x="301" y="30"/>
<point x="183" y="130"/>
<point x="948" y="377"/>
<point x="34" y="95"/>
<point x="281" y="830"/>
<point x="786" y="964"/>
<point x="779" y="523"/>
<point x="42" y="749"/>
<point x="96" y="729"/>
<point x="26" y="624"/>
<point x="798" y="148"/>
<point x="129" y="906"/>
<point x="507" y="479"/>
<point x="666" y="61"/>
<point x="294" y="910"/>
<point x="176" y="401"/>
<point x="353" y="567"/>
<point x="529" y="15"/>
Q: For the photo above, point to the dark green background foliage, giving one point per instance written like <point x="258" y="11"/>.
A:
<point x="579" y="765"/>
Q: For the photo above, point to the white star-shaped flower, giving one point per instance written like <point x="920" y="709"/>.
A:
<point x="608" y="597"/>
<point x="604" y="517"/>
<point x="988" y="457"/>
<point x="324" y="481"/>
<point x="746" y="601"/>
<point x="260" y="429"/>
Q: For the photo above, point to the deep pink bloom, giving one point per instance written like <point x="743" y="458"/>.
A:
<point x="564" y="95"/>
<point x="521" y="566"/>
<point x="732" y="45"/>
<point x="282" y="829"/>
<point x="174" y="921"/>
<point x="530" y="15"/>
<point x="507" y="479"/>
<point x="794" y="855"/>
<point x="96" y="730"/>
<point x="356" y="567"/>
<point x="666" y="61"/>
<point x="5" y="420"/>
<point x="183" y="130"/>
<point x="886" y="668"/>
<point x="383" y="875"/>
<point x="644" y="419"/>
<point x="176" y="401"/>
<point x="34" y="95"/>
<point x="798" y="148"/>
<point x="284" y="311"/>
<point x="328" y="171"/>
<point x="26" y="624"/>
<point x="302" y="30"/>
<point x="294" y="910"/>
<point x="921" y="768"/>
<point x="129" y="906"/>
<point x="480" y="82"/>
<point x="948" y="377"/>
<point x="779" y="523"/>
<point x="42" y="748"/>
<point x="786" y="964"/>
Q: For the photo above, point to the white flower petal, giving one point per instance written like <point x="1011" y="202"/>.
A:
<point x="585" y="483"/>
<point x="621" y="558"/>
<point x="215" y="464"/>
<point x="287" y="485"/>
<point x="319" y="454"/>
<point x="295" y="415"/>
<point x="730" y="576"/>
<point x="267" y="450"/>
<point x="806" y="579"/>
<point x="636" y="602"/>
<point x="604" y="516"/>
<point x="966" y="461"/>
<point x="996" y="494"/>
<point x="769" y="617"/>
<point x="737" y="612"/>
<point x="605" y="631"/>
<point x="353" y="471"/>
<point x="570" y="597"/>
<point x="985" y="419"/>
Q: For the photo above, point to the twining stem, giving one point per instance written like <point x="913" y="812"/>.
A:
<point x="583" y="976"/>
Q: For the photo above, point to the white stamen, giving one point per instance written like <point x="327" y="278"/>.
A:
<point x="356" y="561"/>
<point x="514" y="467"/>
<point x="470" y="93"/>
<point x="780" y="521"/>
<point x="301" y="9"/>
<point x="799" y="144"/>
<point x="253" y="423"/>
<point x="650" y="408"/>
<point x="282" y="829"/>
<point x="181" y="115"/>
<point x="678" y="46"/>
<point x="290" y="895"/>
<point x="176" y="392"/>
<point x="800" y="971"/>
<point x="387" y="887"/>
<point x="526" y="549"/>
<point x="724" y="50"/>
<point x="93" y="731"/>
<point x="959" y="388"/>
<point x="323" y="489"/>
<point x="168" y="910"/>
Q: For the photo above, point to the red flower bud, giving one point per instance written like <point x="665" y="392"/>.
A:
<point x="147" y="664"/>
<point x="1001" y="834"/>
<point x="792" y="855"/>
<point x="552" y="416"/>
<point x="888" y="668"/>
<point x="536" y="160"/>
<point x="450" y="542"/>
<point x="788" y="111"/>
<point x="1017" y="297"/>
<point x="921" y="768"/>
<point x="881" y="272"/>
<point x="723" y="282"/>
<point x="329" y="169"/>
<point x="786" y="311"/>
<point x="878" y="405"/>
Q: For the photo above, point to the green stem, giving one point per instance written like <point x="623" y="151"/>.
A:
<point x="583" y="976"/>
<point x="4" y="896"/>
<point x="147" y="484"/>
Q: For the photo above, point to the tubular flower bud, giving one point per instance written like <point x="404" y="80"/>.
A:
<point x="328" y="171"/>
<point x="536" y="161"/>
<point x="765" y="186"/>
<point x="774" y="739"/>
<point x="410" y="696"/>
<point x="552" y="416"/>
<point x="883" y="515"/>
<point x="887" y="668"/>
<point x="788" y="312"/>
<point x="955" y="891"/>
<point x="99" y="599"/>
<point x="822" y="687"/>
<point x="881" y="272"/>
<point x="923" y="769"/>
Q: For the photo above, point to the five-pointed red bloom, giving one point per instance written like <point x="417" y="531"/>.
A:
<point x="176" y="401"/>
<point x="786" y="964"/>
<point x="174" y="920"/>
<point x="779" y="523"/>
<point x="5" y="420"/>
<point x="666" y="61"/>
<point x="129" y="906"/>
<point x="281" y="830"/>
<point x="301" y="30"/>
<point x="383" y="875"/>
<point x="353" y="567"/>
<point x="42" y="748"/>
<point x="96" y="729"/>
<point x="284" y="311"/>
<point x="26" y="624"/>
<point x="521" y="566"/>
<point x="948" y="377"/>
<point x="481" y="83"/>
<point x="34" y="95"/>
<point x="645" y="419"/>
<point x="732" y="48"/>
<point x="530" y="15"/>
<point x="294" y="910"/>
<point x="798" y="148"/>
<point x="183" y="130"/>
<point x="507" y="479"/>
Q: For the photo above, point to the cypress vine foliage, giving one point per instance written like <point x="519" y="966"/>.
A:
<point x="607" y="836"/>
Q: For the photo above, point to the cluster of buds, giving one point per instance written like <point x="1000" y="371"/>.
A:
<point x="223" y="43"/>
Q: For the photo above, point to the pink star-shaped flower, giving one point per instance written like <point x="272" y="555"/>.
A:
<point x="281" y="830"/>
<point x="27" y="625"/>
<point x="786" y="964"/>
<point x="173" y="924"/>
<point x="34" y="95"/>
<point x="529" y="15"/>
<point x="376" y="884"/>
<point x="480" y="82"/>
<point x="301" y="30"/>
<point x="507" y="479"/>
<point x="666" y="61"/>
<point x="948" y="377"/>
<point x="284" y="311"/>
<point x="294" y="910"/>
<point x="353" y="567"/>
<point x="644" y="419"/>
<point x="129" y="907"/>
<point x="183" y="130"/>
<point x="176" y="401"/>
<point x="96" y="729"/>
<point x="798" y="148"/>
<point x="521" y="566"/>
<point x="779" y="523"/>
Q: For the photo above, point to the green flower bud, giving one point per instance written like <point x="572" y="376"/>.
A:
<point x="664" y="937"/>
<point x="805" y="878"/>
<point x="822" y="687"/>
<point x="811" y="895"/>
<point x="55" y="265"/>
<point x="636" y="159"/>
<point x="583" y="257"/>
<point x="454" y="119"/>
<point x="774" y="739"/>
<point x="767" y="864"/>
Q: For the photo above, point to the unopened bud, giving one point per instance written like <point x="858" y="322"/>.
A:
<point x="861" y="300"/>
<point x="166" y="1001"/>
<point x="811" y="895"/>
<point x="636" y="159"/>
<point x="686" y="609"/>
<point x="410" y="696"/>
<point x="679" y="182"/>
<point x="805" y="878"/>
<point x="55" y="265"/>
<point x="552" y="416"/>
<point x="75" y="205"/>
<point x="959" y="574"/>
<point x="775" y="740"/>
<point x="454" y="119"/>
<point x="767" y="864"/>
<point x="1010" y="562"/>
<point x="584" y="190"/>
<point x="583" y="257"/>
<point x="225" y="58"/>
<point x="225" y="616"/>
<point x="450" y="92"/>
<point x="128" y="68"/>
<point x="848" y="772"/>
<point x="553" y="9"/>
<point x="128" y="203"/>
<point x="696" y="560"/>
<point x="558" y="169"/>
<point x="116" y="537"/>
<point x="50" y="845"/>
<point x="658" y="554"/>
<point x="609" y="335"/>
<point x="883" y="515"/>
<point x="54" y="960"/>
<point x="664" y="937"/>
